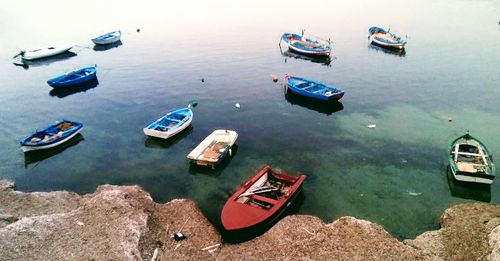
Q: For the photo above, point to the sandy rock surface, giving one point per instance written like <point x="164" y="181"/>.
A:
<point x="124" y="223"/>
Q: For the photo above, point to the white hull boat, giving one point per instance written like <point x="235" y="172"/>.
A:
<point x="44" y="52"/>
<point x="214" y="148"/>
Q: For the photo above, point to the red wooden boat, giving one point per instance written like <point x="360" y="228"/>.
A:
<point x="260" y="200"/>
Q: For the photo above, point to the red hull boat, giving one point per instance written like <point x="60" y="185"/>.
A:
<point x="260" y="200"/>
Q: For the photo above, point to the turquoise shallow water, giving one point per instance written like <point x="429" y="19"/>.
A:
<point x="394" y="175"/>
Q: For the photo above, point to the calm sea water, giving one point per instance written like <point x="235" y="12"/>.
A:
<point x="394" y="175"/>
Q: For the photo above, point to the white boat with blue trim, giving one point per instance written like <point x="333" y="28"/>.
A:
<point x="170" y="124"/>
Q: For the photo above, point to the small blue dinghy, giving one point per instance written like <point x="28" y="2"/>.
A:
<point x="75" y="77"/>
<point x="108" y="38"/>
<point x="170" y="124"/>
<point x="312" y="89"/>
<point x="51" y="136"/>
<point x="304" y="45"/>
<point x="384" y="38"/>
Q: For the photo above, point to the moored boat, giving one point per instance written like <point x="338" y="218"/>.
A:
<point x="44" y="52"/>
<point x="261" y="200"/>
<point x="108" y="38"/>
<point x="214" y="148"/>
<point x="51" y="136"/>
<point x="305" y="45"/>
<point x="74" y="77"/>
<point x="170" y="124"/>
<point x="384" y="38"/>
<point x="312" y="89"/>
<point x="470" y="161"/>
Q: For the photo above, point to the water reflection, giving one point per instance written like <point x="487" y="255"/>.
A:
<point x="387" y="50"/>
<point x="105" y="47"/>
<point x="468" y="190"/>
<point x="63" y="92"/>
<point x="325" y="60"/>
<point x="316" y="105"/>
<point x="36" y="156"/>
<point x="44" y="61"/>
<point x="157" y="143"/>
<point x="196" y="169"/>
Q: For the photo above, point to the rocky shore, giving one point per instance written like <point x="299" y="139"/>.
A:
<point x="124" y="223"/>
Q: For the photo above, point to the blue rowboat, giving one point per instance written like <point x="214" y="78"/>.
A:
<point x="170" y="124"/>
<point x="75" y="77"/>
<point x="51" y="136"/>
<point x="312" y="89"/>
<point x="384" y="38"/>
<point x="108" y="38"/>
<point x="304" y="45"/>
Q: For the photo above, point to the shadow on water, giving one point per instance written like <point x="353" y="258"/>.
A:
<point x="36" y="156"/>
<point x="387" y="50"/>
<point x="468" y="190"/>
<point x="321" y="59"/>
<point x="197" y="169"/>
<point x="105" y="47"/>
<point x="248" y="234"/>
<point x="44" y="61"/>
<point x="65" y="91"/>
<point x="157" y="143"/>
<point x="316" y="105"/>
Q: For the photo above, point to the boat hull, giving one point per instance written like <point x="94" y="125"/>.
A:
<point x="214" y="148"/>
<point x="152" y="132"/>
<point x="294" y="43"/>
<point x="74" y="78"/>
<point x="470" y="161"/>
<point x="469" y="177"/>
<point x="45" y="52"/>
<point x="316" y="90"/>
<point x="380" y="37"/>
<point x="27" y="147"/>
<point x="108" y="38"/>
<point x="241" y="214"/>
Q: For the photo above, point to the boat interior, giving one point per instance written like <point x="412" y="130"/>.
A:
<point x="266" y="191"/>
<point x="312" y="87"/>
<point x="170" y="122"/>
<point x="470" y="158"/>
<point x="214" y="150"/>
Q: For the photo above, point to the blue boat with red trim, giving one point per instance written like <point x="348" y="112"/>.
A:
<point x="381" y="37"/>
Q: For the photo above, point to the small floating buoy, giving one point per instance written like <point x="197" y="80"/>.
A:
<point x="449" y="119"/>
<point x="274" y="77"/>
<point x="138" y="30"/>
<point x="237" y="105"/>
<point x="372" y="126"/>
<point x="202" y="79"/>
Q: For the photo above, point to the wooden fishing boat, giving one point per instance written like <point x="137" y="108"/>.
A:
<point x="51" y="136"/>
<point x="214" y="148"/>
<point x="312" y="89"/>
<point x="74" y="77"/>
<point x="470" y="161"/>
<point x="305" y="45"/>
<point x="261" y="200"/>
<point x="108" y="38"/>
<point x="170" y="124"/>
<point x="384" y="38"/>
<point x="44" y="52"/>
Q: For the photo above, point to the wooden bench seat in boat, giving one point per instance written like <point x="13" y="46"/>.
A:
<point x="264" y="199"/>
